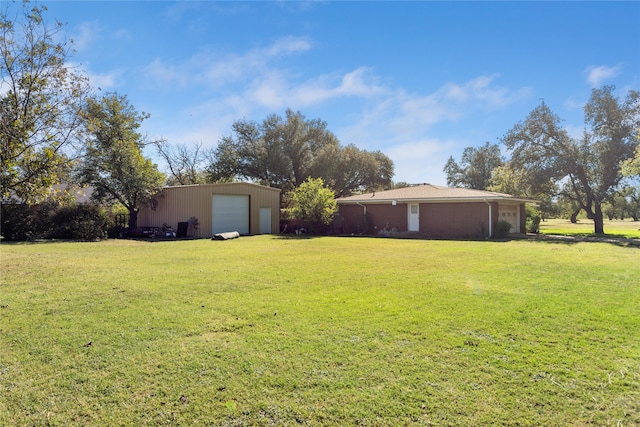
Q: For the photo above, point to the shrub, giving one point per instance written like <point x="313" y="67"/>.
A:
<point x="21" y="222"/>
<point x="533" y="219"/>
<point x="315" y="203"/>
<point x="502" y="228"/>
<point x="80" y="222"/>
<point x="17" y="222"/>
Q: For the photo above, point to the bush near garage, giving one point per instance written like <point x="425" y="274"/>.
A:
<point x="80" y="222"/>
<point x="21" y="222"/>
<point x="533" y="219"/>
<point x="503" y="228"/>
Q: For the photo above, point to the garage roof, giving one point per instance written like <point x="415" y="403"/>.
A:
<point x="431" y="193"/>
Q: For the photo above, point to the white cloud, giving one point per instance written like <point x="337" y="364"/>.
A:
<point x="286" y="46"/>
<point x="214" y="69"/>
<point x="123" y="34"/>
<point x="401" y="116"/>
<point x="400" y="124"/>
<point x="596" y="75"/>
<point x="268" y="91"/>
<point x="104" y="81"/>
<point x="277" y="90"/>
<point x="162" y="74"/>
<point x="481" y="91"/>
<point x="85" y="36"/>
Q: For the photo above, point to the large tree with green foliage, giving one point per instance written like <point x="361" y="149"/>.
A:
<point x="114" y="164"/>
<point x="40" y="100"/>
<point x="278" y="151"/>
<point x="475" y="167"/>
<point x="588" y="168"/>
<point x="349" y="170"/>
<point x="283" y="152"/>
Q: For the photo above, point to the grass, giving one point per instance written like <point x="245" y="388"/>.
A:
<point x="616" y="228"/>
<point x="326" y="331"/>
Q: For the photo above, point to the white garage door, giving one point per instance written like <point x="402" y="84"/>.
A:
<point x="510" y="214"/>
<point x="230" y="213"/>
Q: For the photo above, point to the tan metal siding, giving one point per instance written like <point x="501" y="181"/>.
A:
<point x="178" y="204"/>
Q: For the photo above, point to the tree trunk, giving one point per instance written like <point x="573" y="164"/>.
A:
<point x="133" y="218"/>
<point x="574" y="216"/>
<point x="598" y="220"/>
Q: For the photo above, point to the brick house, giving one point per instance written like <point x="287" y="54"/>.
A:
<point x="431" y="211"/>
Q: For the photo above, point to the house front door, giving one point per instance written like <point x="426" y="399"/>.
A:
<point x="413" y="217"/>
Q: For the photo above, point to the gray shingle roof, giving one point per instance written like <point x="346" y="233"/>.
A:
<point x="428" y="192"/>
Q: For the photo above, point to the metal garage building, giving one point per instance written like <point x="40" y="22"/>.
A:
<point x="236" y="206"/>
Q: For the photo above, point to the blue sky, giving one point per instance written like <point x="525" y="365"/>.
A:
<point x="419" y="81"/>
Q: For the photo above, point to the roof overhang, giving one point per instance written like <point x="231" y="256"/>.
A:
<point x="386" y="201"/>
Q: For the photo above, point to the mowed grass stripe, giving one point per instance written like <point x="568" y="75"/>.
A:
<point x="269" y="330"/>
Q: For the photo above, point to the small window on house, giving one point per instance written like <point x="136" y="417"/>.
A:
<point x="414" y="209"/>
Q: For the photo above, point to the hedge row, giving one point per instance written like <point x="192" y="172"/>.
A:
<point x="77" y="222"/>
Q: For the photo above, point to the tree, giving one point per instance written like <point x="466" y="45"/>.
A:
<point x="186" y="165"/>
<point x="284" y="152"/>
<point x="40" y="101"/>
<point x="276" y="152"/>
<point x="349" y="170"/>
<point x="315" y="203"/>
<point x="631" y="167"/>
<point x="113" y="162"/>
<point x="589" y="167"/>
<point x="615" y="208"/>
<point x="476" y="165"/>
<point x="632" y="206"/>
<point x="510" y="180"/>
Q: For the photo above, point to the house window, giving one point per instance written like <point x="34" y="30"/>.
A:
<point x="414" y="209"/>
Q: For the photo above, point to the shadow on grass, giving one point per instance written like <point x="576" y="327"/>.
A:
<point x="613" y="239"/>
<point x="44" y="241"/>
<point x="297" y="236"/>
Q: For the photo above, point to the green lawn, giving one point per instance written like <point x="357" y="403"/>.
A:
<point x="584" y="227"/>
<point x="320" y="331"/>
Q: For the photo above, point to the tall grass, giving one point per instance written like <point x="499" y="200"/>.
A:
<point x="325" y="331"/>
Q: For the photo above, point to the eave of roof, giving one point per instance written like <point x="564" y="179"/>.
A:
<point x="223" y="184"/>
